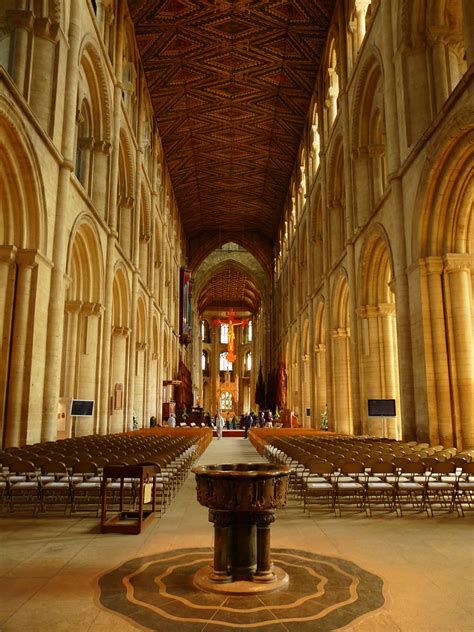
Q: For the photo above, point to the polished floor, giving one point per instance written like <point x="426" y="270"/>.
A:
<point x="52" y="570"/>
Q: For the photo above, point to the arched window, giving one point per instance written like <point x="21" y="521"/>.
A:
<point x="248" y="361"/>
<point x="224" y="334"/>
<point x="203" y="361"/>
<point x="249" y="331"/>
<point x="84" y="144"/>
<point x="357" y="28"/>
<point x="224" y="364"/>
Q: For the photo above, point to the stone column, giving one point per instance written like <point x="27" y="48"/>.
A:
<point x="112" y="235"/>
<point x="321" y="388"/>
<point x="341" y="381"/>
<point x="390" y="390"/>
<point x="459" y="281"/>
<point x="17" y="402"/>
<point x="44" y="71"/>
<point x="7" y="304"/>
<point x="360" y="13"/>
<point x="306" y="391"/>
<point x="402" y="299"/>
<point x="372" y="384"/>
<point x="72" y="308"/>
<point x="468" y="26"/>
<point x="264" y="572"/>
<point x="439" y="72"/>
<point x="143" y="257"/>
<point x="21" y="24"/>
<point x="438" y="374"/>
<point x="221" y="521"/>
<point x="56" y="301"/>
<point x="100" y="177"/>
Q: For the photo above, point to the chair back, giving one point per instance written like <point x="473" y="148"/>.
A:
<point x="383" y="467"/>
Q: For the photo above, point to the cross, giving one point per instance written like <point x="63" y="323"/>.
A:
<point x="231" y="322"/>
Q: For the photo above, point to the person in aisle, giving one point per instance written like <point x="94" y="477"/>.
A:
<point x="248" y="423"/>
<point x="219" y="425"/>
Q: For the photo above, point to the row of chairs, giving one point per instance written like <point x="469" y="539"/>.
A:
<point x="69" y="475"/>
<point x="342" y="457"/>
<point x="386" y="487"/>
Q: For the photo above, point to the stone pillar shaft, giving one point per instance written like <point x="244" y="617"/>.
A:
<point x="17" y="417"/>
<point x="443" y="433"/>
<point x="56" y="302"/>
<point x="460" y="294"/>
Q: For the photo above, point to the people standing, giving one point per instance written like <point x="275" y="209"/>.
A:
<point x="248" y="424"/>
<point x="219" y="425"/>
<point x="171" y="421"/>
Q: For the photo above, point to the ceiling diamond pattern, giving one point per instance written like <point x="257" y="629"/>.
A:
<point x="231" y="82"/>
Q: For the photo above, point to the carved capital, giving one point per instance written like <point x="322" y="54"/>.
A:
<point x="263" y="520"/>
<point x="102" y="146"/>
<point x="458" y="262"/>
<point x="386" y="309"/>
<point x="86" y="142"/>
<point x="123" y="332"/>
<point x="20" y="19"/>
<point x="433" y="265"/>
<point x="73" y="307"/>
<point x="43" y="27"/>
<point x="220" y="518"/>
<point x="92" y="309"/>
<point x="7" y="254"/>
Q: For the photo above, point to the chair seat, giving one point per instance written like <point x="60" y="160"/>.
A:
<point x="56" y="485"/>
<point x="353" y="485"/>
<point x="466" y="485"/>
<point x="25" y="485"/>
<point x="440" y="485"/>
<point x="316" y="479"/>
<point x="319" y="486"/>
<point x="410" y="485"/>
<point x="379" y="485"/>
<point x="87" y="485"/>
<point x="16" y="479"/>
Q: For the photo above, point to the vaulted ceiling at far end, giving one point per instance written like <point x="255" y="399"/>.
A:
<point x="229" y="288"/>
<point x="231" y="83"/>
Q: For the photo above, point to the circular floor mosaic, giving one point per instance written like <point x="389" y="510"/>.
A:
<point x="157" y="592"/>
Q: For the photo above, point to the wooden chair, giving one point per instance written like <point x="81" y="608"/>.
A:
<point x="55" y="489"/>
<point x="319" y="487"/>
<point x="380" y="489"/>
<point x="441" y="487"/>
<point x="86" y="487"/>
<point x="23" y="486"/>
<point x="410" y="487"/>
<point x="350" y="489"/>
<point x="465" y="489"/>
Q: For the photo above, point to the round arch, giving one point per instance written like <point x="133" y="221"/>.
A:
<point x="121" y="298"/>
<point x="23" y="220"/>
<point x="443" y="222"/>
<point x="85" y="262"/>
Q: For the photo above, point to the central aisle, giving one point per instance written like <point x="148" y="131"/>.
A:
<point x="185" y="523"/>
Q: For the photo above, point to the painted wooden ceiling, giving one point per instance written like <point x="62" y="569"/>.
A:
<point x="228" y="288"/>
<point x="231" y="83"/>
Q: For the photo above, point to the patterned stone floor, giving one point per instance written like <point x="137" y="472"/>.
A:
<point x="158" y="593"/>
